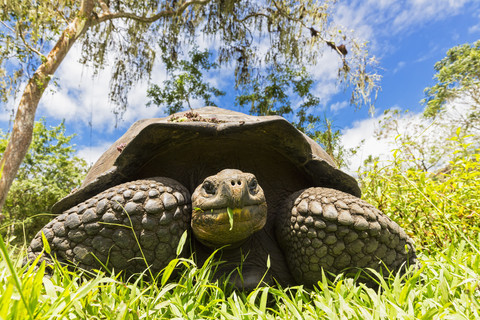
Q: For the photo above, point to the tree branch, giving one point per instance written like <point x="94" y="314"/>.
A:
<point x="60" y="13"/>
<point x="8" y="27"/>
<point x="20" y="31"/>
<point x="149" y="19"/>
<point x="249" y="16"/>
<point x="104" y="7"/>
<point x="23" y="38"/>
<point x="341" y="49"/>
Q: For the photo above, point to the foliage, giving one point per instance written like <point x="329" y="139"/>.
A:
<point x="50" y="171"/>
<point x="439" y="210"/>
<point x="26" y="29"/>
<point x="35" y="37"/>
<point x="431" y="183"/>
<point x="436" y="208"/>
<point x="185" y="82"/>
<point x="126" y="32"/>
<point x="457" y="80"/>
<point x="446" y="287"/>
<point x="287" y="91"/>
<point x="331" y="141"/>
<point x="272" y="94"/>
<point x="426" y="143"/>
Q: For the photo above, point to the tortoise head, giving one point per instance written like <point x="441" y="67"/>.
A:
<point x="227" y="208"/>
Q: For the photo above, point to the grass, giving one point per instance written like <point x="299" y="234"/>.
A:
<point x="447" y="287"/>
<point x="439" y="211"/>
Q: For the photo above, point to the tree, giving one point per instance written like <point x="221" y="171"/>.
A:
<point x="186" y="82"/>
<point x="423" y="143"/>
<point x="331" y="140"/>
<point x="451" y="112"/>
<point x="279" y="90"/>
<point x="287" y="91"/>
<point x="272" y="93"/>
<point x="49" y="172"/>
<point x="36" y="36"/>
<point x="458" y="82"/>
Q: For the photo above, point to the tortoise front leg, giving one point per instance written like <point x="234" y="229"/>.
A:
<point x="111" y="228"/>
<point x="329" y="229"/>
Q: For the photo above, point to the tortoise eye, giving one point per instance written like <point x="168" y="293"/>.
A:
<point x="209" y="187"/>
<point x="252" y="186"/>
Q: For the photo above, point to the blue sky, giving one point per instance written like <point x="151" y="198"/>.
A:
<point x="406" y="36"/>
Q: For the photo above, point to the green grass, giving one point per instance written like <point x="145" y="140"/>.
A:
<point x="447" y="287"/>
<point x="440" y="211"/>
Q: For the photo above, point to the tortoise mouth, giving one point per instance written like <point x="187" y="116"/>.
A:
<point x="228" y="226"/>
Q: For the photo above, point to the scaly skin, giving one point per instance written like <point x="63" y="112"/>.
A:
<point x="329" y="229"/>
<point x="158" y="209"/>
<point x="229" y="190"/>
<point x="319" y="228"/>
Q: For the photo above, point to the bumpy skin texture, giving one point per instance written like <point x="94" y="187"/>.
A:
<point x="328" y="228"/>
<point x="158" y="209"/>
<point x="232" y="189"/>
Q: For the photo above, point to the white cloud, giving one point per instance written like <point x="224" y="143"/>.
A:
<point x="5" y="116"/>
<point x="353" y="16"/>
<point x="400" y="66"/>
<point x="415" y="12"/>
<point x="83" y="99"/>
<point x="430" y="134"/>
<point x="365" y="133"/>
<point x="337" y="106"/>
<point x="92" y="153"/>
<point x="475" y="28"/>
<point x="362" y="133"/>
<point x="7" y="112"/>
<point x="325" y="74"/>
<point x="373" y="21"/>
<point x="373" y="17"/>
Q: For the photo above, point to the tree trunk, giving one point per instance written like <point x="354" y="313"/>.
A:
<point x="22" y="132"/>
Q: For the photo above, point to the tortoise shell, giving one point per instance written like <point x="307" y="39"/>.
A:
<point x="190" y="146"/>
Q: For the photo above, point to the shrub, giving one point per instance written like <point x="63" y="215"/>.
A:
<point x="48" y="173"/>
<point x="435" y="208"/>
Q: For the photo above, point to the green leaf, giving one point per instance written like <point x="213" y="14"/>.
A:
<point x="49" y="172"/>
<point x="230" y="217"/>
<point x="1" y="169"/>
<point x="46" y="245"/>
<point x="16" y="279"/>
<point x="181" y="243"/>
<point x="167" y="272"/>
<point x="5" y="300"/>
<point x="263" y="300"/>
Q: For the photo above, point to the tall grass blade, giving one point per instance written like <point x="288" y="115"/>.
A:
<point x="14" y="274"/>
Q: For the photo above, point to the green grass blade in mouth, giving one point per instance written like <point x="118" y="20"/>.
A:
<point x="230" y="217"/>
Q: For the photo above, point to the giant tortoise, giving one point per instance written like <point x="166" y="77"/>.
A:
<point x="265" y="195"/>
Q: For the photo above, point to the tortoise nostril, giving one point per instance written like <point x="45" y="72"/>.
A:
<point x="239" y="182"/>
<point x="233" y="183"/>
